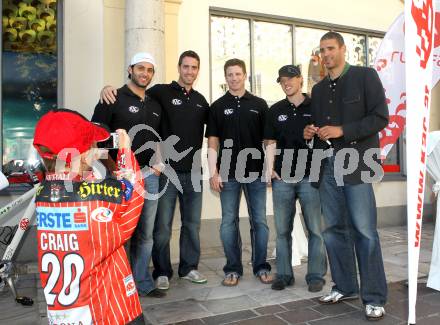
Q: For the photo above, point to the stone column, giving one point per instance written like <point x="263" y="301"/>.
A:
<point x="171" y="38"/>
<point x="145" y="32"/>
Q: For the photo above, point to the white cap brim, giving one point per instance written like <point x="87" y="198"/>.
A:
<point x="142" y="57"/>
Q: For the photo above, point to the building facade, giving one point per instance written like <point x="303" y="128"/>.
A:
<point x="62" y="52"/>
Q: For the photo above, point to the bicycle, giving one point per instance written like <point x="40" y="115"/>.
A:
<point x="15" y="236"/>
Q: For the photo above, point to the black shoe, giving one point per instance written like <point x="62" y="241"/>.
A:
<point x="316" y="286"/>
<point x="155" y="293"/>
<point x="280" y="284"/>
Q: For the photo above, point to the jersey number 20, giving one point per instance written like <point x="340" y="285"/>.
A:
<point x="70" y="274"/>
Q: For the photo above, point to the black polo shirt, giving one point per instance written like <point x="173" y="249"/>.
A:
<point x="285" y="123"/>
<point x="240" y="119"/>
<point x="128" y="111"/>
<point x="184" y="114"/>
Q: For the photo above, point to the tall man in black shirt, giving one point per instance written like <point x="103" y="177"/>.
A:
<point x="235" y="157"/>
<point x="133" y="111"/>
<point x="289" y="173"/>
<point x="349" y="109"/>
<point x="184" y="114"/>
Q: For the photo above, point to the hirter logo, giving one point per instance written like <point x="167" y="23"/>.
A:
<point x="102" y="215"/>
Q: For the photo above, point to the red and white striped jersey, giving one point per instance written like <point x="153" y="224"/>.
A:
<point x="82" y="227"/>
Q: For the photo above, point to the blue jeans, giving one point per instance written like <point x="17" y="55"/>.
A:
<point x="255" y="194"/>
<point x="284" y="207"/>
<point x="190" y="202"/>
<point x="350" y="218"/>
<point x="141" y="243"/>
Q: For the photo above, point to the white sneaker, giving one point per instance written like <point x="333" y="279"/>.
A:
<point x="374" y="312"/>
<point x="195" y="277"/>
<point x="334" y="297"/>
<point x="162" y="283"/>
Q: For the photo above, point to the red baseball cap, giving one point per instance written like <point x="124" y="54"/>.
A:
<point x="66" y="129"/>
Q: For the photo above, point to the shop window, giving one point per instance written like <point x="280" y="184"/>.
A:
<point x="272" y="49"/>
<point x="373" y="48"/>
<point x="307" y="55"/>
<point x="267" y="44"/>
<point x="230" y="38"/>
<point x="29" y="72"/>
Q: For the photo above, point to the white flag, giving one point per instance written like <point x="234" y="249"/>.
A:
<point x="419" y="51"/>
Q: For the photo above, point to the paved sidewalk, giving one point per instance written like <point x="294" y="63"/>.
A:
<point x="252" y="302"/>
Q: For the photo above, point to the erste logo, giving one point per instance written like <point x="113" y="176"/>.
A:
<point x="62" y="219"/>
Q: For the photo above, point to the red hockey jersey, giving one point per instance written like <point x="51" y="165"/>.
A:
<point x="82" y="227"/>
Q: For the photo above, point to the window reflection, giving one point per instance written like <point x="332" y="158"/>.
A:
<point x="356" y="51"/>
<point x="373" y="48"/>
<point x="29" y="72"/>
<point x="272" y="49"/>
<point x="230" y="38"/>
<point x="307" y="55"/>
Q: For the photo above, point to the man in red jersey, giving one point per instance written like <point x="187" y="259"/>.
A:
<point x="83" y="222"/>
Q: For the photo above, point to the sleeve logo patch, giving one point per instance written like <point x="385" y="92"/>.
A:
<point x="130" y="286"/>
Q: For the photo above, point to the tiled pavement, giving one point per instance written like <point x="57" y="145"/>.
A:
<point x="254" y="303"/>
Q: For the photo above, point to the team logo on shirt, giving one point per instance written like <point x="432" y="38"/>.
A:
<point x="282" y="118"/>
<point x="130" y="286"/>
<point x="133" y="109"/>
<point x="176" y="102"/>
<point x="55" y="192"/>
<point x="229" y="111"/>
<point x="102" y="214"/>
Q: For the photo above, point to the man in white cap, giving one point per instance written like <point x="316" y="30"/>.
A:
<point x="184" y="115"/>
<point x="133" y="107"/>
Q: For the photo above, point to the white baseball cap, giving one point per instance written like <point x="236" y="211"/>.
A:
<point x="142" y="57"/>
